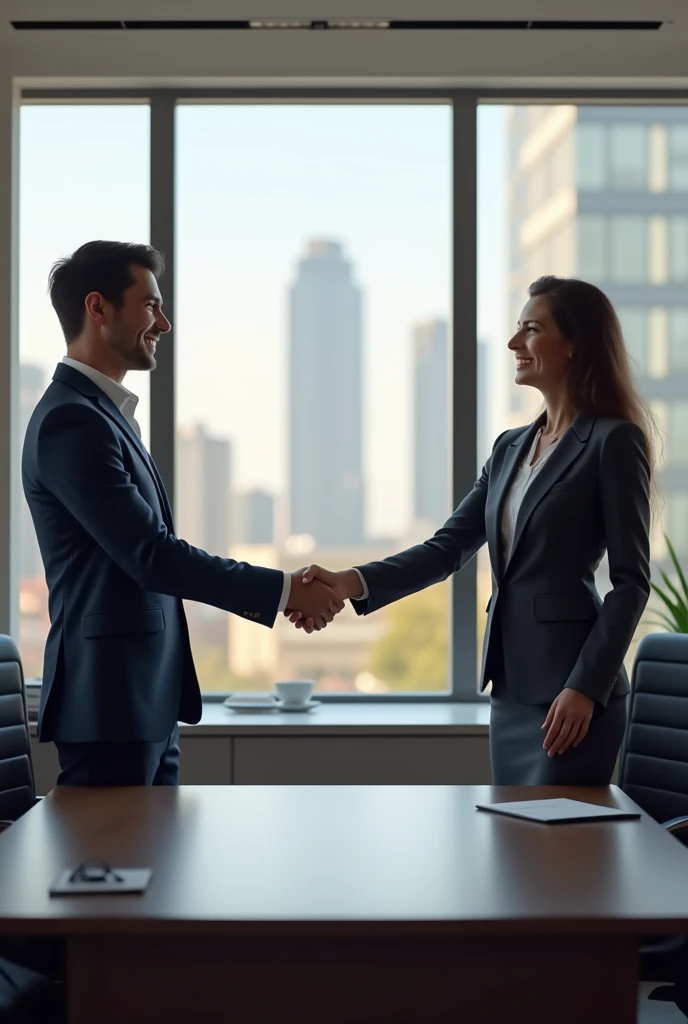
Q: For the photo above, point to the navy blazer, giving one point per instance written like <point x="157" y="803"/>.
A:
<point x="118" y="663"/>
<point x="592" y="494"/>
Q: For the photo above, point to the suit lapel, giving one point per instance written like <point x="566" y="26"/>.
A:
<point x="161" y="490"/>
<point x="515" y="453"/>
<point x="564" y="455"/>
<point x="79" y="381"/>
<point x="111" y="410"/>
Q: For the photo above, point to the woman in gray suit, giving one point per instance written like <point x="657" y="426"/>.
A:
<point x="551" y="499"/>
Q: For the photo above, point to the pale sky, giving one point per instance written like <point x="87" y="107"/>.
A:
<point x="254" y="184"/>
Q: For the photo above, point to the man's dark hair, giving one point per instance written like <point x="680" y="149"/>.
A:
<point x="103" y="267"/>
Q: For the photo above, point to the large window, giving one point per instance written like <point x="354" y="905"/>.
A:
<point x="315" y="354"/>
<point x="312" y="333"/>
<point x="84" y="174"/>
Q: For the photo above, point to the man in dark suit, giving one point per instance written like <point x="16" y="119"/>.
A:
<point x="118" y="672"/>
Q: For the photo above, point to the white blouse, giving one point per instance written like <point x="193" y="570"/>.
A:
<point x="521" y="482"/>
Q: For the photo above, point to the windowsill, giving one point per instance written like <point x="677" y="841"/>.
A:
<point x="376" y="719"/>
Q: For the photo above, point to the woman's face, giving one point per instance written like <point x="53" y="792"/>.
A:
<point x="542" y="353"/>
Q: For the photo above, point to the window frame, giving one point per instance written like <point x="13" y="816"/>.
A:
<point x="163" y="103"/>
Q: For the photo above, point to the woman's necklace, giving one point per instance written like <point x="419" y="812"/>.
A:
<point x="552" y="437"/>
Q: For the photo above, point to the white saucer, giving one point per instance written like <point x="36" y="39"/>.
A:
<point x="308" y="706"/>
<point x="250" y="706"/>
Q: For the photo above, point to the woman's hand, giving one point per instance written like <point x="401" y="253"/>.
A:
<point x="568" y="721"/>
<point x="346" y="584"/>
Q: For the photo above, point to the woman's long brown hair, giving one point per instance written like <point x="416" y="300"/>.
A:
<point x="600" y="380"/>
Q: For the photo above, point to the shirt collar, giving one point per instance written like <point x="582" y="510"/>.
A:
<point x="543" y="455"/>
<point x="124" y="399"/>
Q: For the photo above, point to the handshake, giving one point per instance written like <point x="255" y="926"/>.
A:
<point x="317" y="595"/>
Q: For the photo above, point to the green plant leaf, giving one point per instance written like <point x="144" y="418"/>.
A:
<point x="679" y="609"/>
<point x="671" y="605"/>
<point x="680" y="600"/>
<point x="666" y="619"/>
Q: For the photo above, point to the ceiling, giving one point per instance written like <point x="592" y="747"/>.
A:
<point x="485" y="59"/>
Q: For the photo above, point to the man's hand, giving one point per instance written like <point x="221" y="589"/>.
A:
<point x="315" y="602"/>
<point x="568" y="721"/>
<point x="344" y="584"/>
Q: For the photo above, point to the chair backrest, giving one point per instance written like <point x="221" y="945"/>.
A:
<point x="654" y="767"/>
<point x="17" y="790"/>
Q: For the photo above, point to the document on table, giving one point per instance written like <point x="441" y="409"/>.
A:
<point x="558" y="811"/>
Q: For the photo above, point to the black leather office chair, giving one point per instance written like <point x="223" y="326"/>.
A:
<point x="654" y="769"/>
<point x="654" y="773"/>
<point x="17" y="788"/>
<point x="29" y="991"/>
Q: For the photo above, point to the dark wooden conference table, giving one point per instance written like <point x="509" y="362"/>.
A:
<point x="344" y="904"/>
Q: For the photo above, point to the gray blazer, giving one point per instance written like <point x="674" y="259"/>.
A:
<point x="592" y="494"/>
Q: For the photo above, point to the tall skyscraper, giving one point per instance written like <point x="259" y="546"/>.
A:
<point x="253" y="519"/>
<point x="325" y="399"/>
<point x="31" y="387"/>
<point x="203" y="506"/>
<point x="431" y="384"/>
<point x="602" y="193"/>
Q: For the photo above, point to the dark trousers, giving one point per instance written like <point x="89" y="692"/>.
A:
<point x="120" y="764"/>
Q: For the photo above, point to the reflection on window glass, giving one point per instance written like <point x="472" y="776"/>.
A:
<point x="626" y="159"/>
<point x="678" y="340"/>
<point x="313" y="417"/>
<point x="629" y="249"/>
<point x="84" y="174"/>
<point x="592" y="247"/>
<point x="634" y="325"/>
<point x="678" y="157"/>
<point x="678" y="249"/>
<point x="591" y="157"/>
<point x="628" y="154"/>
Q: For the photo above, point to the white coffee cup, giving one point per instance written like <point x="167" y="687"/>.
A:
<point x="295" y="691"/>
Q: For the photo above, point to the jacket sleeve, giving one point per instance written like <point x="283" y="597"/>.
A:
<point x="432" y="561"/>
<point x="80" y="462"/>
<point x="625" y="504"/>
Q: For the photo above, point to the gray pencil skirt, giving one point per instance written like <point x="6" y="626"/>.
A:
<point x="518" y="757"/>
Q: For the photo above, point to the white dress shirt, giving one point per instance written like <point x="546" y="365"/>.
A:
<point x="516" y="493"/>
<point x="126" y="402"/>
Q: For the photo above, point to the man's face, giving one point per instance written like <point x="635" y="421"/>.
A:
<point x="133" y="329"/>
